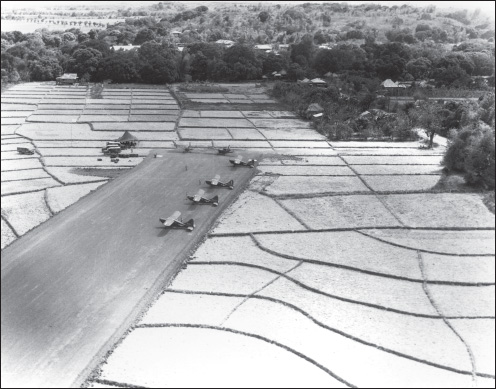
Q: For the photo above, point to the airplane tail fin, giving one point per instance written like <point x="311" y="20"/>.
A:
<point x="230" y="184"/>
<point x="190" y="224"/>
<point x="215" y="200"/>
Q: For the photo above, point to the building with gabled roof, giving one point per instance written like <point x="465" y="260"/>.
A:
<point x="125" y="47"/>
<point x="67" y="78"/>
<point x="266" y="48"/>
<point x="318" y="82"/>
<point x="225" y="42"/>
<point x="391" y="84"/>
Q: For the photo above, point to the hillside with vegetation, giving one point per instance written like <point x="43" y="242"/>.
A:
<point x="441" y="52"/>
<point x="373" y="41"/>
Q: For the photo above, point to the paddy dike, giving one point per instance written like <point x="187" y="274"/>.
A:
<point x="72" y="286"/>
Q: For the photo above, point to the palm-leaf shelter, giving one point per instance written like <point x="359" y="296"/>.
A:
<point x="314" y="110"/>
<point x="128" y="139"/>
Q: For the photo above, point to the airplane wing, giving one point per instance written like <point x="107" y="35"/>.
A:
<point x="172" y="219"/>
<point x="169" y="222"/>
<point x="199" y="195"/>
<point x="239" y="158"/>
<point x="216" y="179"/>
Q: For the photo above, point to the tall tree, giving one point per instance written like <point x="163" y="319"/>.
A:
<point x="158" y="63"/>
<point x="304" y="49"/>
<point x="426" y="115"/>
<point x="85" y="61"/>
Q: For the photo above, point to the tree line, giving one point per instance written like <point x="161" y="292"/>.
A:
<point x="44" y="55"/>
<point x="287" y="23"/>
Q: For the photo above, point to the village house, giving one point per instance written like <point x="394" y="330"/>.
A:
<point x="318" y="82"/>
<point x="279" y="74"/>
<point x="264" y="48"/>
<point x="125" y="47"/>
<point x="314" y="111"/>
<point x="225" y="42"/>
<point x="67" y="79"/>
<point x="405" y="84"/>
<point x="393" y="88"/>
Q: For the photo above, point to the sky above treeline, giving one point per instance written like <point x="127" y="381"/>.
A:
<point x="487" y="7"/>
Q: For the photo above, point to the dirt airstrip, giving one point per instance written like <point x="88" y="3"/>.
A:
<point x="107" y="255"/>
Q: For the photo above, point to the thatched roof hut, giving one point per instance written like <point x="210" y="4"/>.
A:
<point x="315" y="108"/>
<point x="128" y="139"/>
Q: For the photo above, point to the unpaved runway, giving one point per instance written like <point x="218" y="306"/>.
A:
<point x="72" y="286"/>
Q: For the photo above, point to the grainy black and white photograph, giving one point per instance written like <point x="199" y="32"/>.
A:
<point x="247" y="194"/>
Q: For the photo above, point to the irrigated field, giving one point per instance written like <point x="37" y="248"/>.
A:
<point x="67" y="128"/>
<point x="342" y="265"/>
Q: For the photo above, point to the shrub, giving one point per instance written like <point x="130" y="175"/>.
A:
<point x="420" y="95"/>
<point x="402" y="128"/>
<point x="337" y="131"/>
<point x="479" y="162"/>
<point x="472" y="152"/>
<point x="381" y="103"/>
<point x="454" y="159"/>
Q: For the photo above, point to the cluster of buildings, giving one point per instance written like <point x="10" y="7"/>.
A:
<point x="266" y="48"/>
<point x="313" y="82"/>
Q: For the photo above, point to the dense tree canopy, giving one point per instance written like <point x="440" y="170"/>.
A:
<point x="157" y="63"/>
<point x="401" y="43"/>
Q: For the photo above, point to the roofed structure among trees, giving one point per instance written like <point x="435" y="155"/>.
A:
<point x="128" y="139"/>
<point x="67" y="78"/>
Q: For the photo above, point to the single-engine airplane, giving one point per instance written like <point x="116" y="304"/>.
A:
<point x="188" y="148"/>
<point x="225" y="150"/>
<point x="199" y="199"/>
<point x="216" y="182"/>
<point x="176" y="221"/>
<point x="239" y="162"/>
